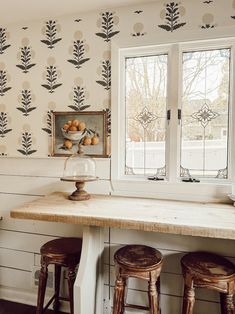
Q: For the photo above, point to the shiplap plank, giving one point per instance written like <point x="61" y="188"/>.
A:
<point x="169" y="304"/>
<point x="171" y="284"/>
<point x="171" y="258"/>
<point x="23" y="241"/>
<point x="47" y="167"/>
<point x="15" y="278"/>
<point x="41" y="227"/>
<point x="43" y="185"/>
<point x="37" y="259"/>
<point x="16" y="259"/>
<point x="29" y="185"/>
<point x="7" y="202"/>
<point x="173" y="242"/>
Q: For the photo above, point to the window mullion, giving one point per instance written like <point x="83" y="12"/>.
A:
<point x="231" y="161"/>
<point x="173" y="130"/>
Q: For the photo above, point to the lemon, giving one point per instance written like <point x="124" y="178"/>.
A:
<point x="94" y="140"/>
<point x="68" y="144"/>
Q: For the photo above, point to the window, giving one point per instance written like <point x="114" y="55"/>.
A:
<point x="205" y="112"/>
<point x="172" y="115"/>
<point x="145" y="85"/>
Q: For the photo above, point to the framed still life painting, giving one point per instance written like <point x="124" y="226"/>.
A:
<point x="87" y="128"/>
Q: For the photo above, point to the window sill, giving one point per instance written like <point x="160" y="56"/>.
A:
<point x="195" y="192"/>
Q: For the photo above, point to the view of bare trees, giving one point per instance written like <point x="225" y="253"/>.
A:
<point x="204" y="101"/>
<point x="205" y="81"/>
<point x="146" y="87"/>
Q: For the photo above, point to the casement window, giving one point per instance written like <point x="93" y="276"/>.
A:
<point x="173" y="113"/>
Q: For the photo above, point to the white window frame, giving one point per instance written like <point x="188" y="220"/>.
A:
<point x="172" y="187"/>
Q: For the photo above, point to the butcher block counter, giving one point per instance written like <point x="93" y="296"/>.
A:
<point x="174" y="217"/>
<point x="186" y="218"/>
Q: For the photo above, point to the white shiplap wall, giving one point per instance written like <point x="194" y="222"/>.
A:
<point x="22" y="180"/>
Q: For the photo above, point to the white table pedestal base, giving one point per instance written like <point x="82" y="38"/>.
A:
<point x="88" y="288"/>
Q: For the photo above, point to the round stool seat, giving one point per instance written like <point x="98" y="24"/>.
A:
<point x="208" y="265"/>
<point x="62" y="246"/>
<point x="61" y="252"/>
<point x="137" y="261"/>
<point x="140" y="257"/>
<point x="209" y="271"/>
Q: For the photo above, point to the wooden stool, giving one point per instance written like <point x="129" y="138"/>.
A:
<point x="138" y="261"/>
<point x="60" y="252"/>
<point x="211" y="271"/>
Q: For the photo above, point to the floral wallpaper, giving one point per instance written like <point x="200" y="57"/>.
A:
<point x="64" y="63"/>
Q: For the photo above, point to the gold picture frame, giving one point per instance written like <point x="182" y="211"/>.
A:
<point x="88" y="128"/>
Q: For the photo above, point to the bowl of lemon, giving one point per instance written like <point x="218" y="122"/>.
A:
<point x="73" y="130"/>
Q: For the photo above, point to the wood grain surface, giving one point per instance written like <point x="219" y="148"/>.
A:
<point x="186" y="218"/>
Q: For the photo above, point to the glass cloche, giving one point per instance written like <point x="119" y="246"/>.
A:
<point x="80" y="169"/>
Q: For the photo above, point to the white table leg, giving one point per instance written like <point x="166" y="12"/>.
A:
<point x="88" y="288"/>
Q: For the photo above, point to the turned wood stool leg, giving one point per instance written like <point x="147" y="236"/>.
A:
<point x="226" y="303"/>
<point x="42" y="286"/>
<point x="153" y="295"/>
<point x="71" y="280"/>
<point x="56" y="304"/>
<point x="158" y="285"/>
<point x="188" y="299"/>
<point x="119" y="292"/>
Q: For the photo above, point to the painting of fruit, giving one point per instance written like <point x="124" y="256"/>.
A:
<point x="87" y="128"/>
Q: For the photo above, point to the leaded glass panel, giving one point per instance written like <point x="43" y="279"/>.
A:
<point x="205" y="113"/>
<point x="145" y="95"/>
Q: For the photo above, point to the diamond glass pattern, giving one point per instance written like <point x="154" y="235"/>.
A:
<point x="205" y="115"/>
<point x="145" y="117"/>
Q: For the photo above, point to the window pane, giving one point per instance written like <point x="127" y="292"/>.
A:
<point x="146" y="81"/>
<point x="205" y="104"/>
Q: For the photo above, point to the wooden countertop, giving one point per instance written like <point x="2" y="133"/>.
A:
<point x="186" y="218"/>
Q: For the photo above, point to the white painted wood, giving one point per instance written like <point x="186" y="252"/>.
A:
<point x="169" y="304"/>
<point x="16" y="259"/>
<point x="89" y="281"/>
<point x="231" y="120"/>
<point x="173" y="129"/>
<point x="171" y="257"/>
<point x="14" y="278"/>
<point x="207" y="190"/>
<point x="177" y="243"/>
<point x="26" y="242"/>
<point x="203" y="192"/>
<point x="40" y="227"/>
<point x="18" y="295"/>
<point x="47" y="167"/>
<point x="171" y="284"/>
<point x="8" y="201"/>
<point x="44" y="185"/>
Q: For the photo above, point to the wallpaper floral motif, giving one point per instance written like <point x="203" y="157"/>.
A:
<point x="171" y="14"/>
<point x="4" y="36"/>
<point x="106" y="24"/>
<point x="51" y="75"/>
<point x="64" y="64"/>
<point x="25" y="100"/>
<point x="78" y="96"/>
<point x="50" y="31"/>
<point x="78" y="51"/>
<point x="25" y="56"/>
<point x="4" y="79"/>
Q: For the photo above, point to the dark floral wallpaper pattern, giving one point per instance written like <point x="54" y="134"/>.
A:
<point x="64" y="64"/>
